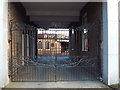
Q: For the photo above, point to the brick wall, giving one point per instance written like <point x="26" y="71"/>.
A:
<point x="94" y="15"/>
<point x="52" y="50"/>
<point x="95" y="35"/>
<point x="16" y="13"/>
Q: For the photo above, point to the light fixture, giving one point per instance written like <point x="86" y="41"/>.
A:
<point x="85" y="30"/>
<point x="72" y="31"/>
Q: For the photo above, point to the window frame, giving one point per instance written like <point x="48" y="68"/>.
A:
<point x="48" y="45"/>
<point x="84" y="22"/>
<point x="42" y="45"/>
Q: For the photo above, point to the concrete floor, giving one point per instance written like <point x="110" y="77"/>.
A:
<point x="76" y="84"/>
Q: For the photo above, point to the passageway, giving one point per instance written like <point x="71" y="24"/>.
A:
<point x="61" y="43"/>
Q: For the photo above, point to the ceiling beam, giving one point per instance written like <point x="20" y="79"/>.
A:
<point x="53" y="24"/>
<point x="53" y="13"/>
<point x="57" y="0"/>
<point x="54" y="18"/>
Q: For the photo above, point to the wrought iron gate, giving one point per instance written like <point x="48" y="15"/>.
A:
<point x="55" y="54"/>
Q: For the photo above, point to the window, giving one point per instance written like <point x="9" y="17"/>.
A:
<point x="85" y="40"/>
<point x="84" y="33"/>
<point x="47" y="45"/>
<point x="40" y="45"/>
<point x="52" y="45"/>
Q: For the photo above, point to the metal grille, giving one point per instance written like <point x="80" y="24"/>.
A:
<point x="55" y="54"/>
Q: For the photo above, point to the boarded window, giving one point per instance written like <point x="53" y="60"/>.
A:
<point x="84" y="33"/>
<point x="40" y="45"/>
<point x="47" y="45"/>
<point x="85" y="40"/>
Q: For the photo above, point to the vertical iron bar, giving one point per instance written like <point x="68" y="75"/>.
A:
<point x="11" y="54"/>
<point x="55" y="55"/>
<point x="99" y="51"/>
<point x="17" y="68"/>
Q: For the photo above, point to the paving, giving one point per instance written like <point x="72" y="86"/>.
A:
<point x="73" y="85"/>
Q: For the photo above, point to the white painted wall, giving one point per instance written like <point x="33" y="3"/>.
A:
<point x="113" y="45"/>
<point x="110" y="43"/>
<point x="57" y="0"/>
<point x="105" y="44"/>
<point x="3" y="43"/>
<point x="119" y="39"/>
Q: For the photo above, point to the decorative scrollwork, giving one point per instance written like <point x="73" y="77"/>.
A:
<point x="69" y="62"/>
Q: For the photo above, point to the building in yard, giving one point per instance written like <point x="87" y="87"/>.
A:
<point x="49" y="45"/>
<point x="84" y="45"/>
